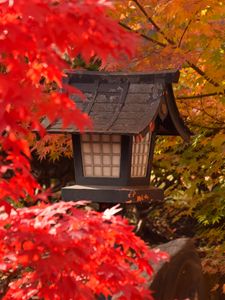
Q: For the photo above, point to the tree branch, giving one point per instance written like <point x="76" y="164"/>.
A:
<point x="213" y="117"/>
<point x="143" y="35"/>
<point x="183" y="34"/>
<point x="206" y="127"/>
<point x="186" y="28"/>
<point x="202" y="73"/>
<point x="198" y="96"/>
<point x="171" y="42"/>
<point x="153" y="22"/>
<point x="4" y="284"/>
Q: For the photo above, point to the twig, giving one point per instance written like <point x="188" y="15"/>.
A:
<point x="183" y="34"/>
<point x="153" y="22"/>
<point x="143" y="35"/>
<point x="198" y="96"/>
<point x="4" y="284"/>
<point x="213" y="117"/>
<point x="203" y="74"/>
<point x="171" y="42"/>
<point x="186" y="28"/>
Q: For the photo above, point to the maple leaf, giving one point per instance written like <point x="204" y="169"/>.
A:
<point x="55" y="263"/>
<point x="109" y="212"/>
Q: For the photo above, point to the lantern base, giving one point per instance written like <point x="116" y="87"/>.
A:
<point x="112" y="194"/>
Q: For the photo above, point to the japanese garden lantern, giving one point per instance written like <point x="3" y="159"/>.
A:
<point x="113" y="159"/>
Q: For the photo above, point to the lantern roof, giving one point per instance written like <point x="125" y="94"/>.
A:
<point x="126" y="103"/>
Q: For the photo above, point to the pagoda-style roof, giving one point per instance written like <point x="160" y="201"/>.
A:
<point x="126" y="103"/>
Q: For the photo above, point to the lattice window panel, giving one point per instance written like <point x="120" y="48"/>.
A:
<point x="140" y="155"/>
<point x="101" y="155"/>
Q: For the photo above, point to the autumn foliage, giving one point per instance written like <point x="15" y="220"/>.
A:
<point x="61" y="252"/>
<point x="188" y="35"/>
<point x="57" y="251"/>
<point x="35" y="36"/>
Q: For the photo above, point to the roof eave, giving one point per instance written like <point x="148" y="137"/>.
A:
<point x="178" y="122"/>
<point x="166" y="76"/>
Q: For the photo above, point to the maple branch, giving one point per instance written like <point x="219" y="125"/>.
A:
<point x="194" y="124"/>
<point x="198" y="96"/>
<point x="4" y="283"/>
<point x="171" y="42"/>
<point x="217" y="121"/>
<point x="186" y="28"/>
<point x="202" y="73"/>
<point x="213" y="117"/>
<point x="183" y="34"/>
<point x="143" y="35"/>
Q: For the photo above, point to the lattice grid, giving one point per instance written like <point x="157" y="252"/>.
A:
<point x="101" y="155"/>
<point x="140" y="155"/>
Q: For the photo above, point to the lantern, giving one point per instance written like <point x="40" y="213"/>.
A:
<point x="113" y="159"/>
